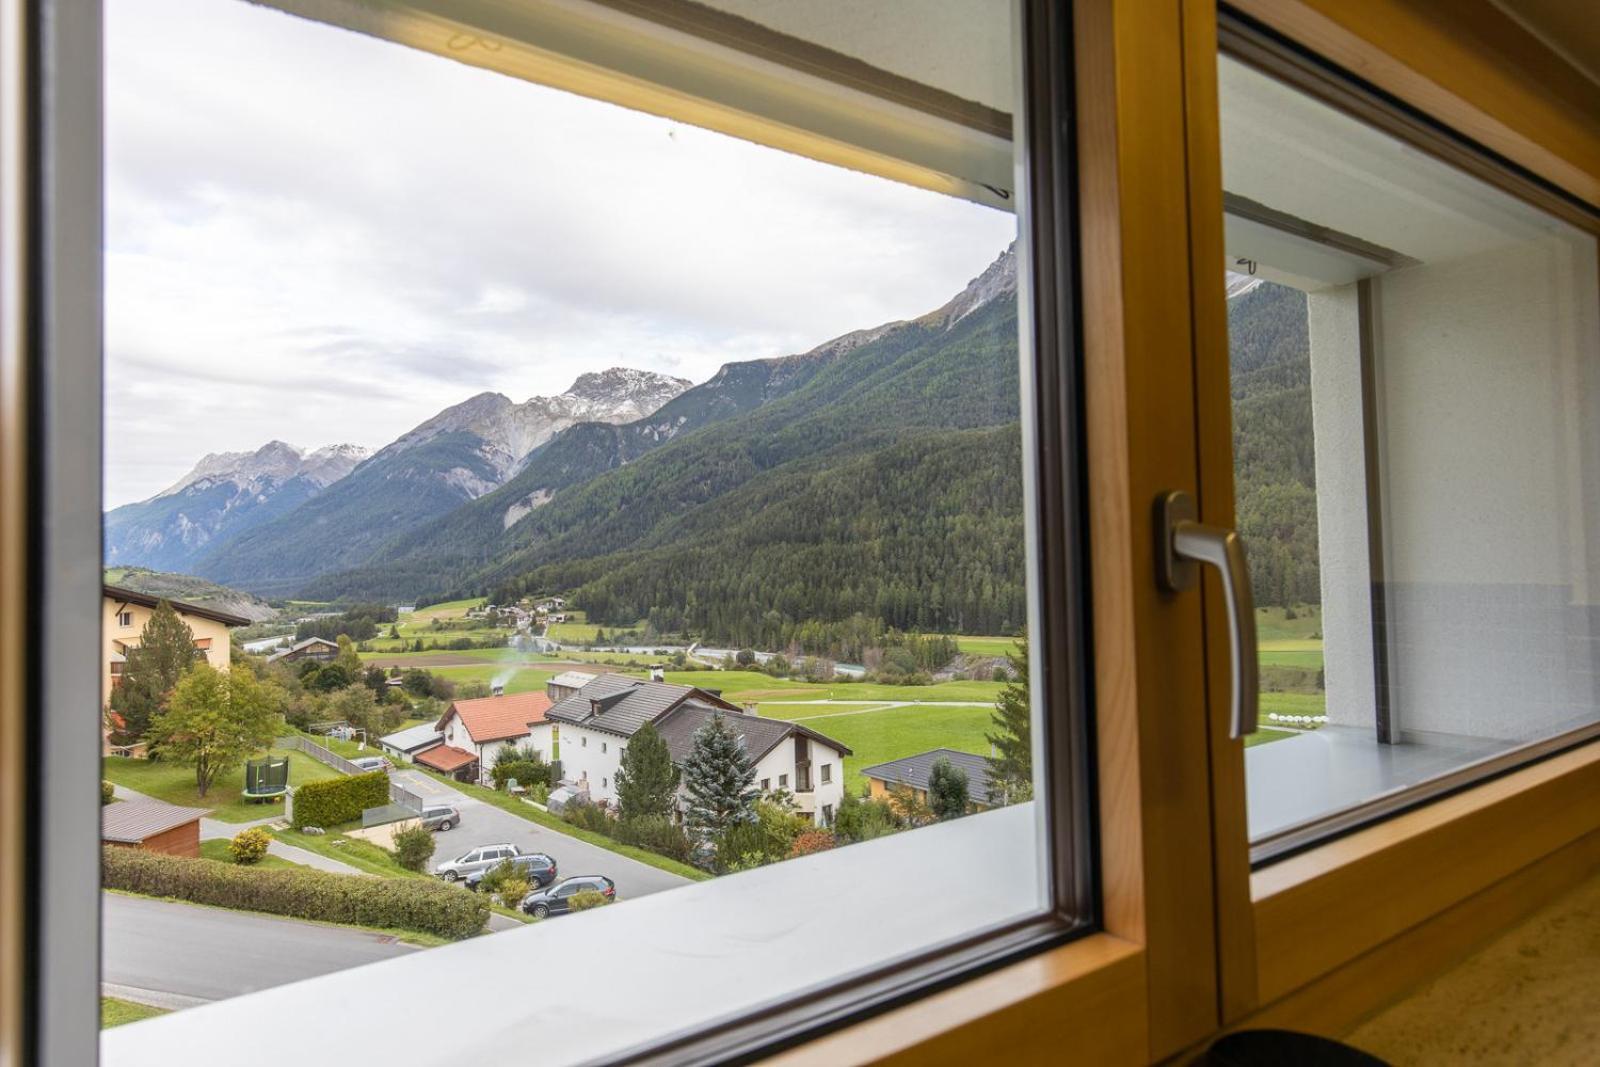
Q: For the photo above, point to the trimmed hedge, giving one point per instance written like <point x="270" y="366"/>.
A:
<point x="339" y="800"/>
<point x="403" y="903"/>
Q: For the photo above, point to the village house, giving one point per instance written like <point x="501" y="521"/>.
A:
<point x="472" y="733"/>
<point x="124" y="614"/>
<point x="915" y="771"/>
<point x="317" y="649"/>
<point x="598" y="719"/>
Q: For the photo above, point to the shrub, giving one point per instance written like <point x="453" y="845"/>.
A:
<point x="512" y="890"/>
<point x="658" y="833"/>
<point x="108" y="792"/>
<point x="589" y="898"/>
<point x="404" y="903"/>
<point x="521" y="762"/>
<point x="812" y="841"/>
<point x="249" y="846"/>
<point x="339" y="800"/>
<point x="413" y="848"/>
<point x="589" y="817"/>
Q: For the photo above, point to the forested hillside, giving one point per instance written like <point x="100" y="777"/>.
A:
<point x="1275" y="475"/>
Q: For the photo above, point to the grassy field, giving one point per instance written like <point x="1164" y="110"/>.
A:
<point x="1294" y="703"/>
<point x="1265" y="736"/>
<point x="522" y="680"/>
<point x="753" y="685"/>
<point x="1273" y="624"/>
<point x="353" y="851"/>
<point x="174" y="783"/>
<point x="877" y="735"/>
<point x="986" y="646"/>
<point x="217" y="849"/>
<point x="114" y="1012"/>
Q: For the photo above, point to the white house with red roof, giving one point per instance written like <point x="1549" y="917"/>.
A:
<point x="472" y="733"/>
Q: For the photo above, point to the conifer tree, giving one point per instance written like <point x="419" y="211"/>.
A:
<point x="717" y="777"/>
<point x="646" y="779"/>
<point x="1011" y="765"/>
<point x="165" y="651"/>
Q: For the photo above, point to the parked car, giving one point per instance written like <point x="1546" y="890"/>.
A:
<point x="477" y="860"/>
<point x="442" y="818"/>
<point x="538" y="868"/>
<point x="372" y="763"/>
<point x="557" y="899"/>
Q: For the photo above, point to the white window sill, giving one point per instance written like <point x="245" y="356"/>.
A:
<point x="594" y="984"/>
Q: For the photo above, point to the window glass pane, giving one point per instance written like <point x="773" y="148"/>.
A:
<point x="468" y="400"/>
<point x="1414" y="441"/>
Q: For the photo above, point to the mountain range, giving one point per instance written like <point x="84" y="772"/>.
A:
<point x="243" y="514"/>
<point x="877" y="476"/>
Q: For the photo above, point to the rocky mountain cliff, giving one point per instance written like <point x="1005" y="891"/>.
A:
<point x="225" y="494"/>
<point x="465" y="451"/>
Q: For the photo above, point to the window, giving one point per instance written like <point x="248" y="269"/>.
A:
<point x="766" y="785"/>
<point x="125" y="619"/>
<point x="827" y="204"/>
<point x="827" y="773"/>
<point x="1424" y="612"/>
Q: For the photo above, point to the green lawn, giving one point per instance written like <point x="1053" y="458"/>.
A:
<point x="986" y="646"/>
<point x="1272" y="624"/>
<point x="527" y="811"/>
<point x="522" y="680"/>
<point x="1265" y="736"/>
<point x="217" y="849"/>
<point x="354" y="851"/>
<point x="753" y="685"/>
<point x="796" y="712"/>
<point x="1291" y="658"/>
<point x="487" y="655"/>
<point x="1294" y="704"/>
<point x="174" y="783"/>
<point x="114" y="1012"/>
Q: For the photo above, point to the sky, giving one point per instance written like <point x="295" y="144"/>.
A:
<point x="319" y="237"/>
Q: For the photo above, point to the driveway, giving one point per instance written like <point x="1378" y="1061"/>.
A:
<point x="175" y="955"/>
<point x="485" y="824"/>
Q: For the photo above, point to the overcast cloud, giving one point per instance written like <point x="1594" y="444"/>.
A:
<point x="320" y="237"/>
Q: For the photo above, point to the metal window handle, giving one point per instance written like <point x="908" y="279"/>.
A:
<point x="1183" y="545"/>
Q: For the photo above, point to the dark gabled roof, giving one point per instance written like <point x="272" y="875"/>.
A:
<point x="761" y="736"/>
<point x="915" y="770"/>
<point x="129" y="596"/>
<point x="618" y="704"/>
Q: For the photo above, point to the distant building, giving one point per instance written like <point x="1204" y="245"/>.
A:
<point x="319" y="649"/>
<point x="598" y="719"/>
<point x="566" y="683"/>
<point x="124" y="613"/>
<point x="152" y="826"/>
<point x="914" y="771"/>
<point x="406" y="744"/>
<point x="472" y="733"/>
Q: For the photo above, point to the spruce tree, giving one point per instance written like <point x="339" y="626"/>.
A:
<point x="165" y="651"/>
<point x="646" y="780"/>
<point x="1011" y="765"/>
<point x="717" y="777"/>
<point x="947" y="790"/>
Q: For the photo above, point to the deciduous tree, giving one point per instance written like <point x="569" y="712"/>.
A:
<point x="215" y="719"/>
<point x="947" y="790"/>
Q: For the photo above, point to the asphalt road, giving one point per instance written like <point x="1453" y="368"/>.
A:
<point x="175" y="954"/>
<point x="485" y="824"/>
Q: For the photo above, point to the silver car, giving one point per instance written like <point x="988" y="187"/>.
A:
<point x="479" y="859"/>
<point x="441" y="818"/>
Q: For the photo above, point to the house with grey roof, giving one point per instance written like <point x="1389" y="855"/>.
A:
<point x="594" y="723"/>
<point x="914" y="771"/>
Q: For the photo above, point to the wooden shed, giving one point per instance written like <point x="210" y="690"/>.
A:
<point x="152" y="826"/>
